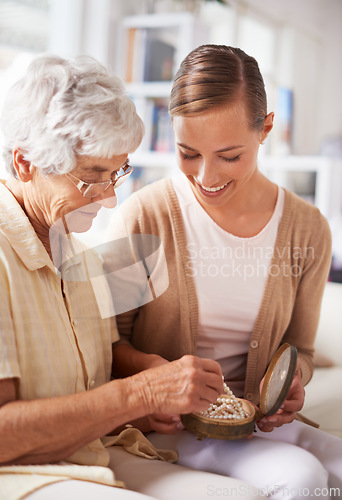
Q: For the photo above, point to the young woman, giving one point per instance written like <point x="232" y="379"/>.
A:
<point x="247" y="262"/>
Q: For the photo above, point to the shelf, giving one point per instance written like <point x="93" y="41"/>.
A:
<point x="149" y="89"/>
<point x="150" y="42"/>
<point x="181" y="31"/>
<point x="328" y="177"/>
<point x="153" y="159"/>
<point x="292" y="163"/>
<point x="158" y="20"/>
<point x="151" y="50"/>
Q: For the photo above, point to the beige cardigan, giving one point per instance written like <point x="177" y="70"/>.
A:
<point x="290" y="307"/>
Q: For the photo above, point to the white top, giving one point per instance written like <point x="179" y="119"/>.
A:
<point x="230" y="276"/>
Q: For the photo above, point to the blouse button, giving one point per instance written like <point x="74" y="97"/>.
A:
<point x="91" y="384"/>
<point x="254" y="344"/>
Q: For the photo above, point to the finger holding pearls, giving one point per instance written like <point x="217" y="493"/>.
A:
<point x="226" y="407"/>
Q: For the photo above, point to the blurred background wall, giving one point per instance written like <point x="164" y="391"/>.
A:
<point x="296" y="42"/>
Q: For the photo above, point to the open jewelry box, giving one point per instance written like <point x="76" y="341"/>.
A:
<point x="278" y="379"/>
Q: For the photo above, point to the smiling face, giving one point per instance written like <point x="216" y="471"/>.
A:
<point x="217" y="151"/>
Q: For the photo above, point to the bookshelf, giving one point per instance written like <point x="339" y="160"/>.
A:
<point x="151" y="48"/>
<point x="317" y="179"/>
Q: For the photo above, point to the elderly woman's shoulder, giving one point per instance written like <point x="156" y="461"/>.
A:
<point x="7" y="251"/>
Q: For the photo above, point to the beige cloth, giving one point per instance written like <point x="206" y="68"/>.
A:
<point x="18" y="480"/>
<point x="133" y="441"/>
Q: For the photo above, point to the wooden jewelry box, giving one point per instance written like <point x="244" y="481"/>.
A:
<point x="278" y="379"/>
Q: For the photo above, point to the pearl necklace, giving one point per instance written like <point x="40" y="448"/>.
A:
<point x="227" y="407"/>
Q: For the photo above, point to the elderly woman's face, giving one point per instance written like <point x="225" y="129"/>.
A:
<point x="59" y="198"/>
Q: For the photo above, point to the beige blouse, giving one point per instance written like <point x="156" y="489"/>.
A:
<point x="53" y="339"/>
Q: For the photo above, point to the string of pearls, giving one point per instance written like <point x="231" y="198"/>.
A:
<point x="226" y="407"/>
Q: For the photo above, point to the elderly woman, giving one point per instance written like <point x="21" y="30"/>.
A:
<point x="68" y="127"/>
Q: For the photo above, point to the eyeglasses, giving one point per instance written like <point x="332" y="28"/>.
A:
<point x="94" y="189"/>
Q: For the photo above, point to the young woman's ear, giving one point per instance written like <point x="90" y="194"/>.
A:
<point x="268" y="125"/>
<point x="23" y="167"/>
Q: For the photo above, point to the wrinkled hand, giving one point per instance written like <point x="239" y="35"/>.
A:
<point x="183" y="386"/>
<point x="293" y="403"/>
<point x="160" y="422"/>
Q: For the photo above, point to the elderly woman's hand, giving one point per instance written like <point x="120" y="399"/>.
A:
<point x="293" y="403"/>
<point x="183" y="386"/>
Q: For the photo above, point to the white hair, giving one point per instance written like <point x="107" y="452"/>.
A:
<point x="63" y="108"/>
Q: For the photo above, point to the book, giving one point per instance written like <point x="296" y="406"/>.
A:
<point x="162" y="133"/>
<point x="159" y="60"/>
<point x="136" y="44"/>
<point x="130" y="55"/>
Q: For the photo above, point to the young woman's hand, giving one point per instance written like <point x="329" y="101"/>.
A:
<point x="293" y="403"/>
<point x="165" y="423"/>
